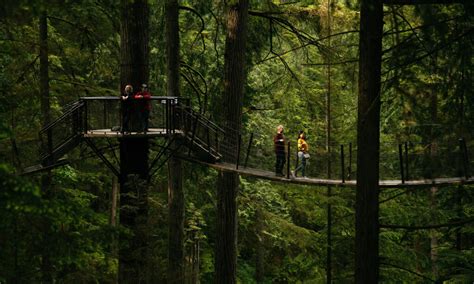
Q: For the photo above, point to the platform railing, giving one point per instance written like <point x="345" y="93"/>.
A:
<point x="106" y="113"/>
<point x="62" y="130"/>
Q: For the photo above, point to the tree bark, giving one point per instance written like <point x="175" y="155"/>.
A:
<point x="133" y="152"/>
<point x="176" y="273"/>
<point x="227" y="183"/>
<point x="328" y="152"/>
<point x="368" y="134"/>
<point x="46" y="178"/>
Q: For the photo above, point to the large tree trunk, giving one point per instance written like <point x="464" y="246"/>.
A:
<point x="368" y="133"/>
<point x="133" y="152"/>
<point x="328" y="152"/>
<point x="46" y="178"/>
<point x="175" y="168"/>
<point x="228" y="183"/>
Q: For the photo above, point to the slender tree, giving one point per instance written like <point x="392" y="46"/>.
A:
<point x="133" y="152"/>
<point x="368" y="143"/>
<point x="228" y="183"/>
<point x="175" y="171"/>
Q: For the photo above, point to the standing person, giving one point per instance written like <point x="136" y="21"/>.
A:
<point x="279" y="142"/>
<point x="127" y="107"/>
<point x="303" y="154"/>
<point x="144" y="106"/>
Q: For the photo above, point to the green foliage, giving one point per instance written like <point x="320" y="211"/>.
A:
<point x="426" y="97"/>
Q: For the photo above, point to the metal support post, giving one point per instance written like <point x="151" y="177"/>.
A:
<point x="406" y="161"/>
<point x="288" y="160"/>
<point x="464" y="157"/>
<point x="193" y="134"/>
<point x="400" y="156"/>
<point x="350" y="161"/>
<point x="248" y="150"/>
<point x="342" y="164"/>
<point x="238" y="151"/>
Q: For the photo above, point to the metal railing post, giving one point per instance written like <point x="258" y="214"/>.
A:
<point x="288" y="160"/>
<point x="238" y="151"/>
<point x="464" y="157"/>
<point x="193" y="134"/>
<point x="104" y="110"/>
<point x="86" y="116"/>
<point x="350" y="161"/>
<point x="342" y="164"/>
<point x="406" y="161"/>
<point x="400" y="156"/>
<point x="248" y="150"/>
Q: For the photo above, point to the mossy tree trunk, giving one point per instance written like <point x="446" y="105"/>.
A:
<point x="175" y="167"/>
<point x="46" y="178"/>
<point x="133" y="151"/>
<point x="228" y="183"/>
<point x="368" y="134"/>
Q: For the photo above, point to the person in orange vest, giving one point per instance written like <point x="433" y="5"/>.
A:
<point x="144" y="106"/>
<point x="279" y="142"/>
<point x="303" y="154"/>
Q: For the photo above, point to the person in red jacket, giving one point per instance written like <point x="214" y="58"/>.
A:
<point x="144" y="106"/>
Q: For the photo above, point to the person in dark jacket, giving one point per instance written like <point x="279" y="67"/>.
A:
<point x="144" y="106"/>
<point x="279" y="142"/>
<point x="126" y="98"/>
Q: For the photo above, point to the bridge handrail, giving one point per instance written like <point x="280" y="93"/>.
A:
<point x="64" y="115"/>
<point x="203" y="119"/>
<point x="118" y="98"/>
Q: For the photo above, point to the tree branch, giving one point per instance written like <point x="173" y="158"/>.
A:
<point x="407" y="270"/>
<point x="189" y="9"/>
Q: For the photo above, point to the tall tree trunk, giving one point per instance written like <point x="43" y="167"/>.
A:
<point x="175" y="168"/>
<point x="434" y="163"/>
<point x="328" y="151"/>
<point x="228" y="183"/>
<point x="133" y="152"/>
<point x="368" y="134"/>
<point x="113" y="220"/>
<point x="46" y="178"/>
<point x="260" y="250"/>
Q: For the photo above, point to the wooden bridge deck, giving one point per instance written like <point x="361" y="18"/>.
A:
<point x="268" y="175"/>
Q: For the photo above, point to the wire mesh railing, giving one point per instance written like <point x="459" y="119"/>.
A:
<point x="199" y="130"/>
<point x="397" y="161"/>
<point x="59" y="132"/>
<point x="108" y="113"/>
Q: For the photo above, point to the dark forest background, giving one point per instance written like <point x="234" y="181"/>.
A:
<point x="302" y="71"/>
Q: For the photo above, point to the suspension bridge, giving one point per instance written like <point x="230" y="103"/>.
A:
<point x="97" y="123"/>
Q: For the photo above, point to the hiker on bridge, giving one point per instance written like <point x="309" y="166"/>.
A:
<point x="127" y="107"/>
<point x="303" y="154"/>
<point x="143" y="106"/>
<point x="279" y="142"/>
